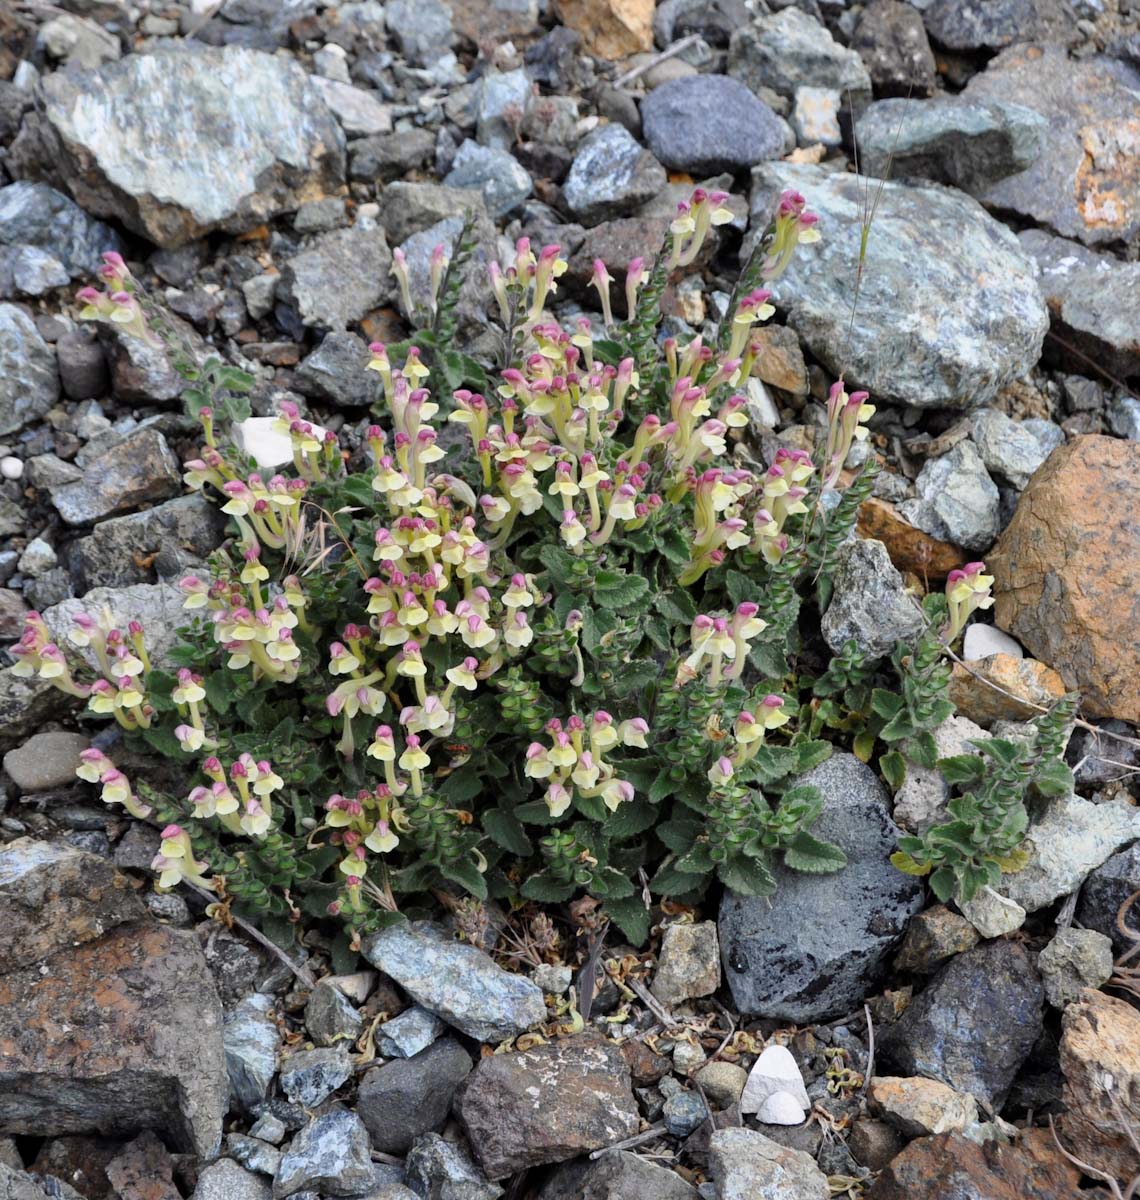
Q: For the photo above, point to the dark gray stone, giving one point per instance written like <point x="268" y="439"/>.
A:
<point x="82" y="364"/>
<point x="253" y="1153"/>
<point x="501" y="103"/>
<point x="957" y="500"/>
<point x="869" y="602"/>
<point x="1105" y="890"/>
<point x="974" y="1025"/>
<point x="617" y="1175"/>
<point x="389" y="156"/>
<point x="174" y="537"/>
<point x="789" y="50"/>
<point x="610" y="176"/>
<point x="471" y="310"/>
<point x="29" y="382"/>
<point x="330" y="1155"/>
<point x="441" y="1170"/>
<point x="421" y="29"/>
<point x="225" y="1180"/>
<point x="408" y="1097"/>
<point x="407" y="208"/>
<point x="338" y="277"/>
<point x="891" y="41"/>
<point x="712" y="20"/>
<point x="139" y="140"/>
<point x="335" y="371"/>
<point x="1009" y="452"/>
<point x="968" y="145"/>
<point x="817" y="947"/>
<point x="1084" y="183"/>
<point x="137" y="470"/>
<point x="684" y="1113"/>
<point x="330" y="1017"/>
<point x="503" y="183"/>
<point x="462" y="985"/>
<point x="251" y="1040"/>
<point x="992" y="24"/>
<point x="925" y="333"/>
<point x="546" y="1104"/>
<point x="709" y="123"/>
<point x="34" y="214"/>
<point x="29" y="271"/>
<point x="310" y="1076"/>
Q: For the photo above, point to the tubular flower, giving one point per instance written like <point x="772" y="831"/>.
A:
<point x="573" y="763"/>
<point x="175" y="861"/>
<point x="967" y="590"/>
<point x="846" y="415"/>
<point x="96" y="767"/>
<point x="794" y="226"/>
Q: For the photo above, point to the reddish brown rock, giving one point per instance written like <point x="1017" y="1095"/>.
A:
<point x="1067" y="572"/>
<point x="949" y="1167"/>
<point x="53" y="896"/>
<point x="1021" y="679"/>
<point x="143" y="1171"/>
<point x="114" y="1036"/>
<point x="911" y="550"/>
<point x="780" y="361"/>
<point x="1100" y="1059"/>
<point x="609" y="28"/>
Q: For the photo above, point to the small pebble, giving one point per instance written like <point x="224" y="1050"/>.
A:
<point x="684" y="1113"/>
<point x="11" y="467"/>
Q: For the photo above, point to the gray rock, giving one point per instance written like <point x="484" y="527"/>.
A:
<point x="610" y="176"/>
<point x="330" y="1016"/>
<point x="29" y="271"/>
<point x="957" y="500"/>
<point x="421" y="28"/>
<point x="1098" y="758"/>
<point x="815" y="116"/>
<point x="330" y="1155"/>
<point x="259" y="294"/>
<point x="546" y="1104"/>
<point x="1049" y="434"/>
<point x="471" y="310"/>
<point x="790" y="49"/>
<point x="869" y="603"/>
<point x="156" y="606"/>
<point x="138" y="140"/>
<point x="1078" y="184"/>
<point x="617" y="1175"/>
<point x="688" y="965"/>
<point x="407" y="1034"/>
<point x="268" y="1128"/>
<point x="1090" y="301"/>
<point x="408" y="1097"/>
<point x="968" y="145"/>
<point x="25" y="704"/>
<point x="1124" y="418"/>
<point x="1074" y="960"/>
<point x="46" y="761"/>
<point x="19" y="1185"/>
<point x="389" y="156"/>
<point x="974" y="1025"/>
<point x="442" y="1170"/>
<point x="457" y="982"/>
<point x="503" y="97"/>
<point x="921" y="801"/>
<point x="816" y="948"/>
<point x="360" y="111"/>
<point x="179" y="534"/>
<point x="501" y="180"/>
<point x="338" y="277"/>
<point x="253" y="1154"/>
<point x="990" y="24"/>
<point x="556" y="981"/>
<point x="251" y="1040"/>
<point x="78" y="41"/>
<point x="684" y="1113"/>
<point x="82" y="365"/>
<point x="137" y="470"/>
<point x="709" y="123"/>
<point x="746" y="1165"/>
<point x="992" y="914"/>
<point x="1105" y="890"/>
<point x="33" y="214"/>
<point x="29" y="383"/>
<point x="891" y="41"/>
<point x="225" y="1180"/>
<point x="309" y="1077"/>
<point x="926" y="334"/>
<point x="1070" y="839"/>
<point x="409" y="208"/>
<point x="1008" y="451"/>
<point x="335" y="371"/>
<point x="38" y="558"/>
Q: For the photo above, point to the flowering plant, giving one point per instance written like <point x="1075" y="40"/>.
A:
<point x="560" y="655"/>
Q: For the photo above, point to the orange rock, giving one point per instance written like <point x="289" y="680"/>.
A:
<point x="1024" y="677"/>
<point x="910" y="549"/>
<point x="1067" y="572"/>
<point x="609" y="28"/>
<point x="781" y="361"/>
<point x="1100" y="1059"/>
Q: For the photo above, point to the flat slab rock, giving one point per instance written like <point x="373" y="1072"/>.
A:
<point x="746" y="1165"/>
<point x="546" y="1105"/>
<point x="462" y="985"/>
<point x="935" y="329"/>
<point x="177" y="143"/>
<point x="116" y="1035"/>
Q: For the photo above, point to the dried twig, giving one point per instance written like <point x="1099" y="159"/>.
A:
<point x="870" y="1050"/>
<point x="654" y="1131"/>
<point x="675" y="49"/>
<point x="651" y="1002"/>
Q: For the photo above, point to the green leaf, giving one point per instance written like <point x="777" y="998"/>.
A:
<point x="680" y="833"/>
<point x="746" y="876"/>
<point x="609" y="883"/>
<point x="615" y="589"/>
<point x="163" y="740"/>
<point x="674" y="546"/>
<point x="923" y="750"/>
<point x="886" y="704"/>
<point x="465" y="873"/>
<point x="741" y="588"/>
<point x="908" y="864"/>
<point x="942" y="883"/>
<point x="609" y="351"/>
<point x="697" y="860"/>
<point x="506" y="830"/>
<point x="218" y="696"/>
<point x="813" y="855"/>
<point x="462" y="785"/>
<point x="631" y="916"/>
<point x="662" y="786"/>
<point x="535" y="812"/>
<point x="546" y="888"/>
<point x="893" y="767"/>
<point x="632" y="817"/>
<point x="967" y="769"/>
<point x="809" y="755"/>
<point x="1054" y="778"/>
<point x="677" y="606"/>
